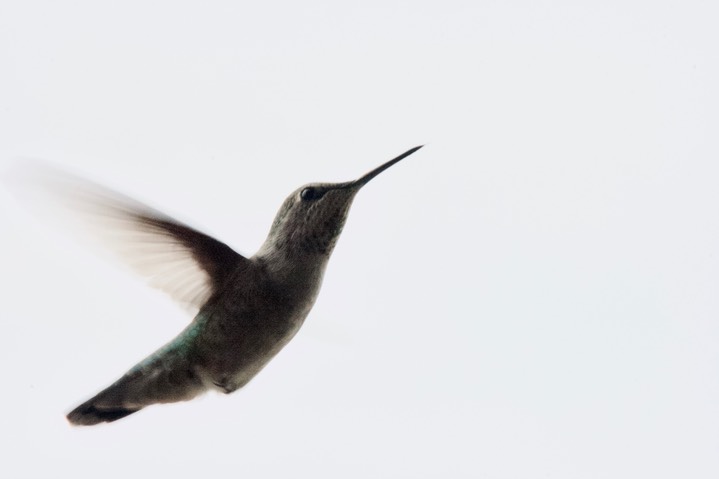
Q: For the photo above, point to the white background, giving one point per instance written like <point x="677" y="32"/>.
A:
<point x="532" y="295"/>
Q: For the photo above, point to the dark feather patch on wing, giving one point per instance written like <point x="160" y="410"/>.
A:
<point x="175" y="258"/>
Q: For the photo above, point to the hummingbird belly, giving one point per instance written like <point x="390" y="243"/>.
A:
<point x="235" y="349"/>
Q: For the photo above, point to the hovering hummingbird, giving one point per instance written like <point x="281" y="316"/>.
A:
<point x="248" y="308"/>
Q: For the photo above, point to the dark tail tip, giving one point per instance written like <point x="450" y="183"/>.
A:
<point x="89" y="415"/>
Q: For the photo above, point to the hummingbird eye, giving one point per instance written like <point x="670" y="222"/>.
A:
<point x="309" y="194"/>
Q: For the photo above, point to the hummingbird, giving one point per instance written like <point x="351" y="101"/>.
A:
<point x="248" y="309"/>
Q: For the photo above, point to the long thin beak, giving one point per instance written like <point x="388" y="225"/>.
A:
<point x="366" y="178"/>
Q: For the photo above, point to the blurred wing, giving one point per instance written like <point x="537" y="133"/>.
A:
<point x="176" y="258"/>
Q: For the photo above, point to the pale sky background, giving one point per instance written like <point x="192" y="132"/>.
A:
<point x="532" y="295"/>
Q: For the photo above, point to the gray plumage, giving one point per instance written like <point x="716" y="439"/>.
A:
<point x="249" y="308"/>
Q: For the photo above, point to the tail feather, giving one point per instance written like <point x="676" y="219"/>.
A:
<point x="165" y="377"/>
<point x="88" y="414"/>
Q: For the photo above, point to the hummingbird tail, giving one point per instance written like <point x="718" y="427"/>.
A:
<point x="88" y="414"/>
<point x="165" y="377"/>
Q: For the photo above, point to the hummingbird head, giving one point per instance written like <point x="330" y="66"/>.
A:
<point x="312" y="217"/>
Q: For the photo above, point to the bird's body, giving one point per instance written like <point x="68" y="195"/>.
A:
<point x="229" y="341"/>
<point x="249" y="308"/>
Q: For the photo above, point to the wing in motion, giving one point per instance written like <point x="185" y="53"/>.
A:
<point x="176" y="258"/>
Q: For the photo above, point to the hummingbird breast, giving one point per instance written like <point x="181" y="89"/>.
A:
<point x="244" y="326"/>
